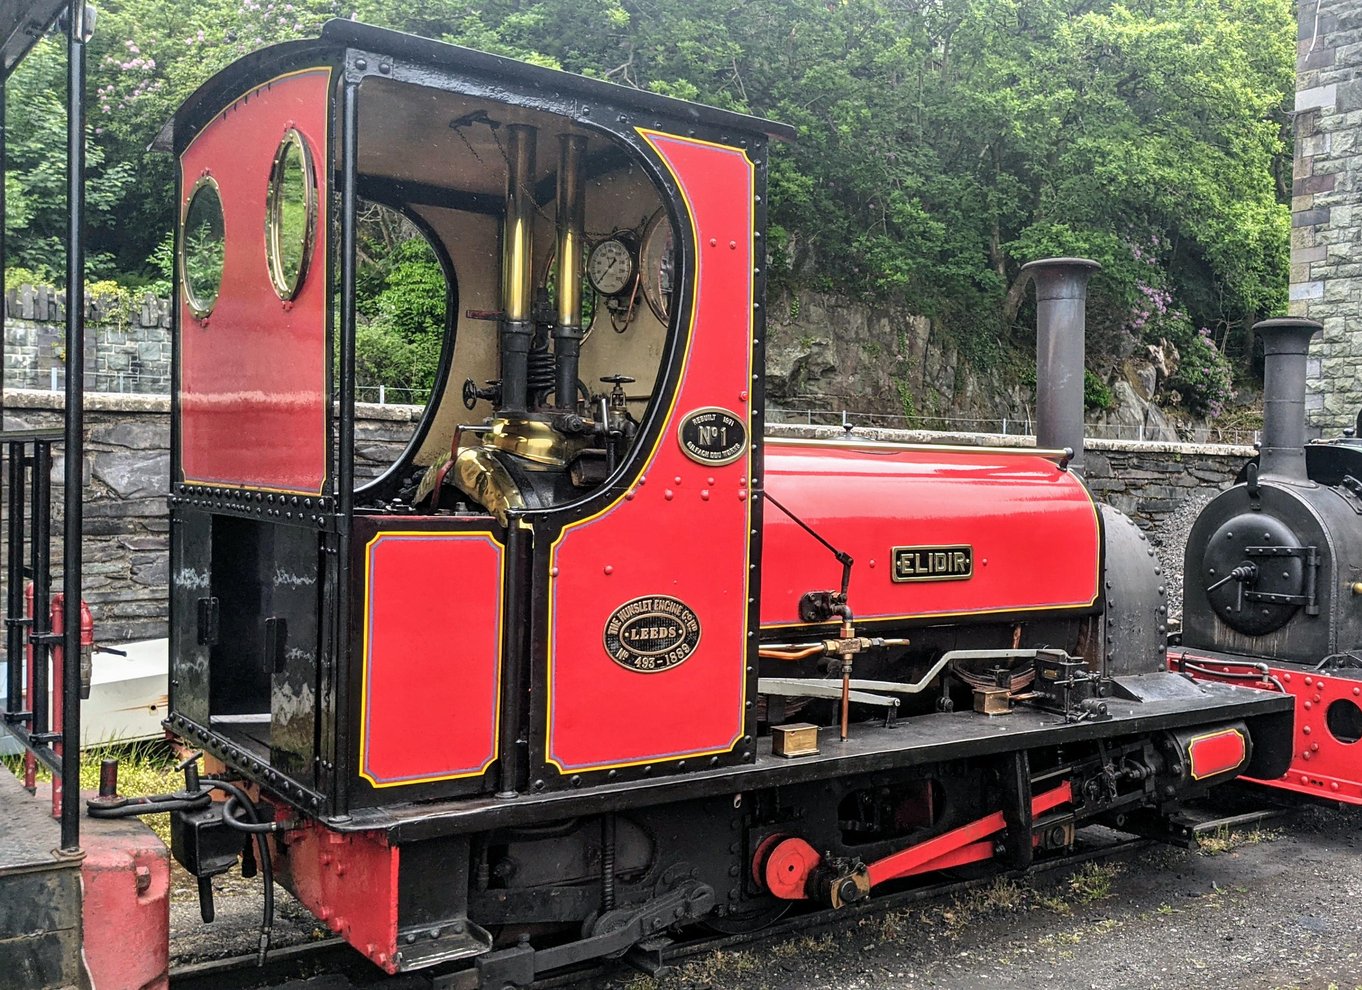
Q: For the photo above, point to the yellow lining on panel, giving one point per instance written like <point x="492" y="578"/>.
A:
<point x="364" y="686"/>
<point x="663" y="435"/>
<point x="875" y="445"/>
<point x="1211" y="735"/>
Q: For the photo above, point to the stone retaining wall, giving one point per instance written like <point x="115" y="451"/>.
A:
<point x="128" y="467"/>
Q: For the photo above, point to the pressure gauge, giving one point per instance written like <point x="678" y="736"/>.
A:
<point x="612" y="266"/>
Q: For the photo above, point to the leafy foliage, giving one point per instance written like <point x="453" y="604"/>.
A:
<point x="401" y="304"/>
<point x="940" y="145"/>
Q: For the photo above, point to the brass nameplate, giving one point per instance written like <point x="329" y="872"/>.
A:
<point x="933" y="563"/>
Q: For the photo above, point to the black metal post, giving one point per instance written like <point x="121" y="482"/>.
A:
<point x="40" y="566"/>
<point x="349" y="207"/>
<point x="345" y="473"/>
<point x="14" y="678"/>
<point x="513" y="667"/>
<point x="14" y="575"/>
<point x="75" y="425"/>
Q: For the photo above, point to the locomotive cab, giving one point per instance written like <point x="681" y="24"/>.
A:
<point x="560" y="254"/>
<point x="585" y="385"/>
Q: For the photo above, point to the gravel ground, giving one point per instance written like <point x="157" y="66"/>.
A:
<point x="235" y="931"/>
<point x="1169" y="539"/>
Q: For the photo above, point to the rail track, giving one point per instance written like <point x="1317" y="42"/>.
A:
<point x="332" y="965"/>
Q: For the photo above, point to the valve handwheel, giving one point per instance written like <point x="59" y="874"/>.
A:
<point x="471" y="392"/>
<point x="618" y="400"/>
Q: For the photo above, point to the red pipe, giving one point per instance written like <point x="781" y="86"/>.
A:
<point x="56" y="624"/>
<point x="30" y="764"/>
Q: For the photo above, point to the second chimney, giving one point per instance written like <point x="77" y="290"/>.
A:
<point x="1286" y="342"/>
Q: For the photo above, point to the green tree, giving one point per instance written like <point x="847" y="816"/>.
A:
<point x="941" y="143"/>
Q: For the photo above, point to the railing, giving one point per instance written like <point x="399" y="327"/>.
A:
<point x="36" y="670"/>
<point x="1004" y="426"/>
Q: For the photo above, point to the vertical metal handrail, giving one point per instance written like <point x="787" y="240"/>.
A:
<point x="77" y="33"/>
<point x="28" y="640"/>
<point x="14" y="577"/>
<point x="40" y="572"/>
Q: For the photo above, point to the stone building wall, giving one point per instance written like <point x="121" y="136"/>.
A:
<point x="1326" y="205"/>
<point x="128" y="472"/>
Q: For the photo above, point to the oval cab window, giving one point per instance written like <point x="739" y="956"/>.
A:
<point x="290" y="215"/>
<point x="202" y="246"/>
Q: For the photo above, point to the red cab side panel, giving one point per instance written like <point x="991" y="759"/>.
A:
<point x="1015" y="511"/>
<point x="432" y="656"/>
<point x="252" y="399"/>
<point x="678" y="539"/>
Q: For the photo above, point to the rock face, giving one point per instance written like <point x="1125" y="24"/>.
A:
<point x="830" y="353"/>
<point x="827" y="352"/>
<point x="1134" y="416"/>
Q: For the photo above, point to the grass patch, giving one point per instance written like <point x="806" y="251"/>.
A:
<point x="146" y="767"/>
<point x="1094" y="881"/>
<point x="1055" y="903"/>
<point x="1224" y="840"/>
<point x="716" y="968"/>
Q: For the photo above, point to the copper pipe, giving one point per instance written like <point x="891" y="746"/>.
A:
<point x="846" y="632"/>
<point x="790" y="655"/>
<point x="846" y="695"/>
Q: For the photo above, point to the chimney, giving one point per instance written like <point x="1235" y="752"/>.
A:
<point x="1285" y="344"/>
<point x="1061" y="322"/>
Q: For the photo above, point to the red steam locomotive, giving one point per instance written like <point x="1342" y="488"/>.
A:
<point x="594" y="658"/>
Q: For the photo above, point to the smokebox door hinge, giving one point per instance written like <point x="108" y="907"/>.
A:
<point x="1310" y="577"/>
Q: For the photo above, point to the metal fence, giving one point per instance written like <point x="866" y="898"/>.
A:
<point x="1004" y="426"/>
<point x="1021" y="426"/>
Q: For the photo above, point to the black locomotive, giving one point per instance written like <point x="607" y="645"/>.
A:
<point x="1273" y="578"/>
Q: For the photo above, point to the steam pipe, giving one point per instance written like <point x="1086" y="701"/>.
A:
<point x="567" y="331"/>
<point x="1061" y="322"/>
<point x="517" y="257"/>
<point x="1285" y="344"/>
